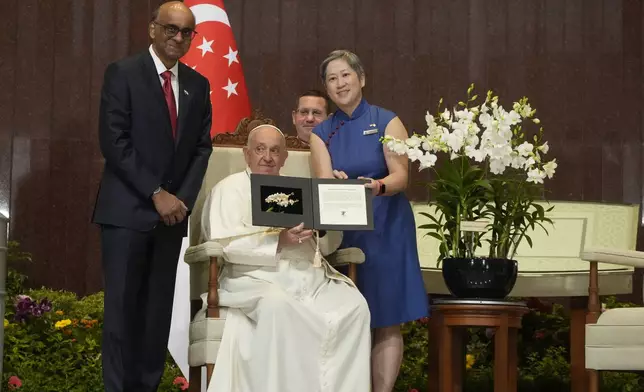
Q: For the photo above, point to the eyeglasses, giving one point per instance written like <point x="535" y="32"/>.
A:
<point x="172" y="30"/>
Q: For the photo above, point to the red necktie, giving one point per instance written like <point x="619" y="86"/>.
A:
<point x="169" y="99"/>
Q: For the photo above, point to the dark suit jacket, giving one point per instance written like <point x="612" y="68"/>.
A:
<point x="136" y="140"/>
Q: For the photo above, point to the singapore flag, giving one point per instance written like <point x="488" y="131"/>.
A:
<point x="214" y="54"/>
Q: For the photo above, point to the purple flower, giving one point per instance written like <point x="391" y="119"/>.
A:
<point x="26" y="307"/>
<point x="45" y="305"/>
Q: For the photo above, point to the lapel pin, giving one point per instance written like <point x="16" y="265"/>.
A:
<point x="369" y="132"/>
<point x="186" y="92"/>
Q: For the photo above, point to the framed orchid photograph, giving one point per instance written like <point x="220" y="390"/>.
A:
<point x="321" y="204"/>
<point x="281" y="201"/>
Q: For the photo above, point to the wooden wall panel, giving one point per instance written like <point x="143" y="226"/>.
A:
<point x="579" y="61"/>
<point x="32" y="186"/>
<point x="8" y="39"/>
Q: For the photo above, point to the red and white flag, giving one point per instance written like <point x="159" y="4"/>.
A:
<point x="214" y="54"/>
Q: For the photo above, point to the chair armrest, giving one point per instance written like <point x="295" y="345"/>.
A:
<point x="630" y="258"/>
<point x="330" y="242"/>
<point x="198" y="259"/>
<point x="346" y="256"/>
<point x="203" y="252"/>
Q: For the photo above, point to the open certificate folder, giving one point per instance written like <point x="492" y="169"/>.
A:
<point x="322" y="204"/>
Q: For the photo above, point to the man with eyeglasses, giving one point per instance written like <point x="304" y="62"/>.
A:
<point x="312" y="108"/>
<point x="154" y="133"/>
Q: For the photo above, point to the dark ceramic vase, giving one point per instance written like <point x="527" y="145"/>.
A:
<point x="479" y="277"/>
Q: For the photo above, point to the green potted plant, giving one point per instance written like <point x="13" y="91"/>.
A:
<point x="489" y="167"/>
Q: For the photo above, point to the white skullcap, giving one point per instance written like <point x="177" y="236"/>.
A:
<point x="265" y="125"/>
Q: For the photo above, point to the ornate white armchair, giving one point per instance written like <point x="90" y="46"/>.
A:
<point x="205" y="257"/>
<point x="614" y="338"/>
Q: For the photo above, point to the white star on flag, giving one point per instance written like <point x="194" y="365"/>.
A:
<point x="205" y="47"/>
<point x="216" y="56"/>
<point x="231" y="56"/>
<point x="230" y="88"/>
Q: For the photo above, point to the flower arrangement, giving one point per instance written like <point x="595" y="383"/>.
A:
<point x="490" y="174"/>
<point x="279" y="201"/>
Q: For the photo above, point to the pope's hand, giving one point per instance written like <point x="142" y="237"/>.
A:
<point x="171" y="209"/>
<point x="340" y="175"/>
<point x="294" y="235"/>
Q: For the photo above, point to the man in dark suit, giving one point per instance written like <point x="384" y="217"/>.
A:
<point x="154" y="132"/>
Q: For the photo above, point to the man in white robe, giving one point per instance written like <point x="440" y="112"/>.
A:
<point x="290" y="326"/>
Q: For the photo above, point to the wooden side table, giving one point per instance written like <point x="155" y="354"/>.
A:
<point x="447" y="327"/>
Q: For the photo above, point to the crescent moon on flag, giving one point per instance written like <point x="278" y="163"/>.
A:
<point x="209" y="13"/>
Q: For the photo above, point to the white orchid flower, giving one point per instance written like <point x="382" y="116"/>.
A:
<point x="524" y="149"/>
<point x="414" y="154"/>
<point x="477" y="155"/>
<point x="497" y="166"/>
<point x="427" y="160"/>
<point x="429" y="119"/>
<point x="413" y="142"/>
<point x="549" y="168"/>
<point x="446" y="116"/>
<point x="536" y="176"/>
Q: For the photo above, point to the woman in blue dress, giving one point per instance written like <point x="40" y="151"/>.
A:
<point x="347" y="145"/>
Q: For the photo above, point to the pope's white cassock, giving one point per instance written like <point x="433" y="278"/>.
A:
<point x="289" y="326"/>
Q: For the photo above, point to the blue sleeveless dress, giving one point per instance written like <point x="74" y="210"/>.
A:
<point x="390" y="279"/>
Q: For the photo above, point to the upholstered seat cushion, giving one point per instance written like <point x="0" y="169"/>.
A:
<point x="346" y="256"/>
<point x="616" y="342"/>
<point x="205" y="337"/>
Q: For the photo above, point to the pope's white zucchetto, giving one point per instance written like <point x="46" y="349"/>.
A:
<point x="265" y="126"/>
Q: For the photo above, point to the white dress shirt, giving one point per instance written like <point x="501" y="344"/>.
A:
<point x="175" y="75"/>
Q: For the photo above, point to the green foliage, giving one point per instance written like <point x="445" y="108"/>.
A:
<point x="459" y="192"/>
<point x="543" y="346"/>
<point x="14" y="283"/>
<point x="15" y="253"/>
<point x="15" y="257"/>
<point x="413" y="371"/>
<point x="60" y="350"/>
<point x="464" y="191"/>
<point x="513" y="212"/>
